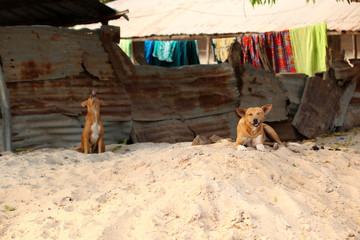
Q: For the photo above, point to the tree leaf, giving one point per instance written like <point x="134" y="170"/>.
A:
<point x="7" y="207"/>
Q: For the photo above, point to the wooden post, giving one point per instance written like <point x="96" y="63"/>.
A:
<point x="132" y="52"/>
<point x="208" y="48"/>
<point x="354" y="46"/>
<point x="6" y="115"/>
<point x="123" y="67"/>
<point x="234" y="60"/>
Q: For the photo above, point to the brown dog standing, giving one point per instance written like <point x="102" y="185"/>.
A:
<point x="251" y="131"/>
<point x="92" y="135"/>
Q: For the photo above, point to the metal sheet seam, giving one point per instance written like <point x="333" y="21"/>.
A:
<point x="5" y="110"/>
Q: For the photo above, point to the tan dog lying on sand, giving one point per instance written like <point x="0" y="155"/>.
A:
<point x="92" y="135"/>
<point x="251" y="131"/>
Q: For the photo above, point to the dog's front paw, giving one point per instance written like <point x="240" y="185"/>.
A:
<point x="241" y="148"/>
<point x="261" y="148"/>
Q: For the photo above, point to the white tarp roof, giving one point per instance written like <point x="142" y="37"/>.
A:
<point x="195" y="17"/>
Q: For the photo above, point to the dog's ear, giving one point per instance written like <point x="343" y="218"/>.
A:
<point x="241" y="112"/>
<point x="84" y="103"/>
<point x="266" y="108"/>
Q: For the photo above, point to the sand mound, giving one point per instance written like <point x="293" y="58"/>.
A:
<point x="179" y="191"/>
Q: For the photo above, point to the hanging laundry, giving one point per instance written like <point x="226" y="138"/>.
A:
<point x="125" y="45"/>
<point x="171" y="53"/>
<point x="309" y="47"/>
<point x="148" y="50"/>
<point x="250" y="51"/>
<point x="164" y="50"/>
<point x="192" y="50"/>
<point x="277" y="46"/>
<point x="221" y="48"/>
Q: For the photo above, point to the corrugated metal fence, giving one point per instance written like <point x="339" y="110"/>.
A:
<point x="50" y="71"/>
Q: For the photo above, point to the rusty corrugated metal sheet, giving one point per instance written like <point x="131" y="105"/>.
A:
<point x="47" y="113"/>
<point x="260" y="87"/>
<point x="175" y="130"/>
<point x="159" y="93"/>
<point x="353" y="111"/>
<point x="293" y="85"/>
<point x="55" y="13"/>
<point x="65" y="95"/>
<point x="175" y="104"/>
<point x="41" y="52"/>
<point x="196" y="17"/>
<point x="161" y="131"/>
<point x="58" y="130"/>
<point x="223" y="125"/>
<point x="49" y="75"/>
<point x="355" y="100"/>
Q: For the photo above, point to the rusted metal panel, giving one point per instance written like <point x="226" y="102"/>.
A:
<point x="293" y="85"/>
<point x="312" y="118"/>
<point x="48" y="113"/>
<point x="6" y="135"/>
<point x="49" y="72"/>
<point x="159" y="93"/>
<point x="65" y="95"/>
<point x="355" y="100"/>
<point x="352" y="119"/>
<point x="174" y="130"/>
<point x="58" y="130"/>
<point x="176" y="104"/>
<point x="42" y="52"/>
<point x="322" y="105"/>
<point x="170" y="131"/>
<point x="222" y="125"/>
<point x="260" y="87"/>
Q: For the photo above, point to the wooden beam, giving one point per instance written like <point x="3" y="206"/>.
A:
<point x="234" y="60"/>
<point x="354" y="43"/>
<point x="202" y="36"/>
<point x="208" y="49"/>
<point x="123" y="67"/>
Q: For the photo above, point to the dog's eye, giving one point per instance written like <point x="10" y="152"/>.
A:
<point x="250" y="114"/>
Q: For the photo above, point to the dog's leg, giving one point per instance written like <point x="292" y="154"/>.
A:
<point x="271" y="134"/>
<point x="239" y="145"/>
<point x="274" y="145"/>
<point x="86" y="146"/>
<point x="258" y="142"/>
<point x="101" y="146"/>
<point x="260" y="147"/>
<point x="81" y="148"/>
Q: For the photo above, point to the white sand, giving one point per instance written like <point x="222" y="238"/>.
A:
<point x="179" y="191"/>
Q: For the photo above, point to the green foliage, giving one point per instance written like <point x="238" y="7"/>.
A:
<point x="261" y="2"/>
<point x="105" y="1"/>
<point x="116" y="148"/>
<point x="9" y="208"/>
<point x="271" y="2"/>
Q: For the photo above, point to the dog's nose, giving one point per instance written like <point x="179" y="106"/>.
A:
<point x="255" y="121"/>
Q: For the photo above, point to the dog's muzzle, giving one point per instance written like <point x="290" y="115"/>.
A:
<point x="255" y="122"/>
